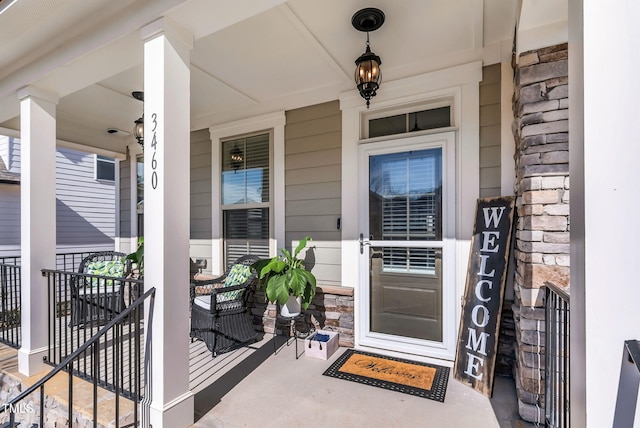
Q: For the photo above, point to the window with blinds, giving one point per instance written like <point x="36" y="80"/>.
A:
<point x="245" y="196"/>
<point x="405" y="191"/>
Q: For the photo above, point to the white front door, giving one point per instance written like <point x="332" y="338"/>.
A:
<point x="407" y="245"/>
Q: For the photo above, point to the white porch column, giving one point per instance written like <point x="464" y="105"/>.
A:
<point x="604" y="64"/>
<point x="37" y="220"/>
<point x="166" y="219"/>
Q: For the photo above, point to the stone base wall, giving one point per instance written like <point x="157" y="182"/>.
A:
<point x="505" y="357"/>
<point x="541" y="130"/>
<point x="331" y="308"/>
<point x="28" y="411"/>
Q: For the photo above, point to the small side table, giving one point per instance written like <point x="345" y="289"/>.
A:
<point x="290" y="323"/>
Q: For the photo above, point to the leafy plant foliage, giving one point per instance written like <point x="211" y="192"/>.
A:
<point x="286" y="275"/>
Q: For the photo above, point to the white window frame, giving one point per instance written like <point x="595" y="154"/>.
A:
<point x="460" y="84"/>
<point x="110" y="160"/>
<point x="247" y="206"/>
<point x="273" y="122"/>
<point x="406" y="110"/>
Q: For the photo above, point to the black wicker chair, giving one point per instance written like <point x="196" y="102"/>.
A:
<point x="224" y="324"/>
<point x="96" y="300"/>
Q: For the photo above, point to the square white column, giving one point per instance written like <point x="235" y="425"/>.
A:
<point x="37" y="220"/>
<point x="604" y="148"/>
<point x="166" y="219"/>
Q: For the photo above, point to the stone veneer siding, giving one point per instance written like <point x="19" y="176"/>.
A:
<point x="541" y="131"/>
<point x="331" y="308"/>
<point x="56" y="409"/>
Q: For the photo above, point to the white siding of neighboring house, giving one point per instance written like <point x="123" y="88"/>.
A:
<point x="9" y="207"/>
<point x="9" y="219"/>
<point x="85" y="207"/>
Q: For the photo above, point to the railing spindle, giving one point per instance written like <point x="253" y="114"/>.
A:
<point x="115" y="328"/>
<point x="557" y="366"/>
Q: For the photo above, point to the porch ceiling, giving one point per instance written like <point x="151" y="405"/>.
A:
<point x="250" y="57"/>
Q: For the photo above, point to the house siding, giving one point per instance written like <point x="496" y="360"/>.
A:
<point x="85" y="207"/>
<point x="490" y="131"/>
<point x="9" y="219"/>
<point x="313" y="139"/>
<point x="126" y="231"/>
<point x="201" y="220"/>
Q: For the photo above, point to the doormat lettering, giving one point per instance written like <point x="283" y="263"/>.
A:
<point x="396" y="374"/>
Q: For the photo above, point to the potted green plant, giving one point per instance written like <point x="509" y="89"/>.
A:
<point x="287" y="281"/>
<point x="135" y="261"/>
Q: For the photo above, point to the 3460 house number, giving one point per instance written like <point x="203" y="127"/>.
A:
<point x="154" y="146"/>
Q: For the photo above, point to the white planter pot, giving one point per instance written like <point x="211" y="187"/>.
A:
<point x="292" y="308"/>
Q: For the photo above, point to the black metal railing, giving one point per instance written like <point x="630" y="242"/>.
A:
<point x="10" y="332"/>
<point x="64" y="261"/>
<point x="10" y="286"/>
<point x="557" y="391"/>
<point x="112" y="332"/>
<point x="78" y="305"/>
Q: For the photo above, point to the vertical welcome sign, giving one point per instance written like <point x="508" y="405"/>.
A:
<point x="486" y="274"/>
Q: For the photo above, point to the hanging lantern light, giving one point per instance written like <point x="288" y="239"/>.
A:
<point x="367" y="74"/>
<point x="138" y="127"/>
<point x="236" y="157"/>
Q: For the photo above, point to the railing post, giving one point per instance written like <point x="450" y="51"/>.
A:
<point x="115" y="340"/>
<point x="557" y="370"/>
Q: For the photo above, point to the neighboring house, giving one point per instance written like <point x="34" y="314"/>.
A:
<point x="85" y="199"/>
<point x="9" y="207"/>
<point x="255" y="136"/>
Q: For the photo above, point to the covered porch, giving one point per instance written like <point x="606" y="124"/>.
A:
<point x="216" y="75"/>
<point x="251" y="386"/>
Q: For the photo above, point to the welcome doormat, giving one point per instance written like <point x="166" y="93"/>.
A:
<point x="397" y="374"/>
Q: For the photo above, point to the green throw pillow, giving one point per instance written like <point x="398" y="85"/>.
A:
<point x="237" y="275"/>
<point x="113" y="268"/>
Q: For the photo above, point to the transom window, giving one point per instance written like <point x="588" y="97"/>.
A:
<point x="423" y="120"/>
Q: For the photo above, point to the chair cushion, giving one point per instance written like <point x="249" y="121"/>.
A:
<point x="237" y="275"/>
<point x="114" y="268"/>
<point x="106" y="268"/>
<point x="203" y="301"/>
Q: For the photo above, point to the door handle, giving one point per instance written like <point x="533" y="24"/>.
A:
<point x="363" y="242"/>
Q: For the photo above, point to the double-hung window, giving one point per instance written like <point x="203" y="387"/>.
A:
<point x="246" y="187"/>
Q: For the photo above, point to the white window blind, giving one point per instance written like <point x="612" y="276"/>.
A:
<point x="407" y="189"/>
<point x="245" y="196"/>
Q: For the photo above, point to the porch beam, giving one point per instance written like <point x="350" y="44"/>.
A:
<point x="37" y="220"/>
<point x="166" y="222"/>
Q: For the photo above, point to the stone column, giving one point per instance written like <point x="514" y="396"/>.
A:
<point x="166" y="218"/>
<point x="37" y="220"/>
<point x="542" y="188"/>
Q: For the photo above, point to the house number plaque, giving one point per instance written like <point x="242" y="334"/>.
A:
<point x="154" y="146"/>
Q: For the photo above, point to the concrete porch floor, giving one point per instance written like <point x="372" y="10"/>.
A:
<point x="253" y="387"/>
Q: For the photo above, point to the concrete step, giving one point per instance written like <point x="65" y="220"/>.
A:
<point x="56" y="404"/>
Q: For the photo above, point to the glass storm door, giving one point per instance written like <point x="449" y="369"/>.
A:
<point x="404" y="255"/>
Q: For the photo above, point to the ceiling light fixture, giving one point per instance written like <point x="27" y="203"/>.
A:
<point x="138" y="127"/>
<point x="368" y="75"/>
<point x="236" y="158"/>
